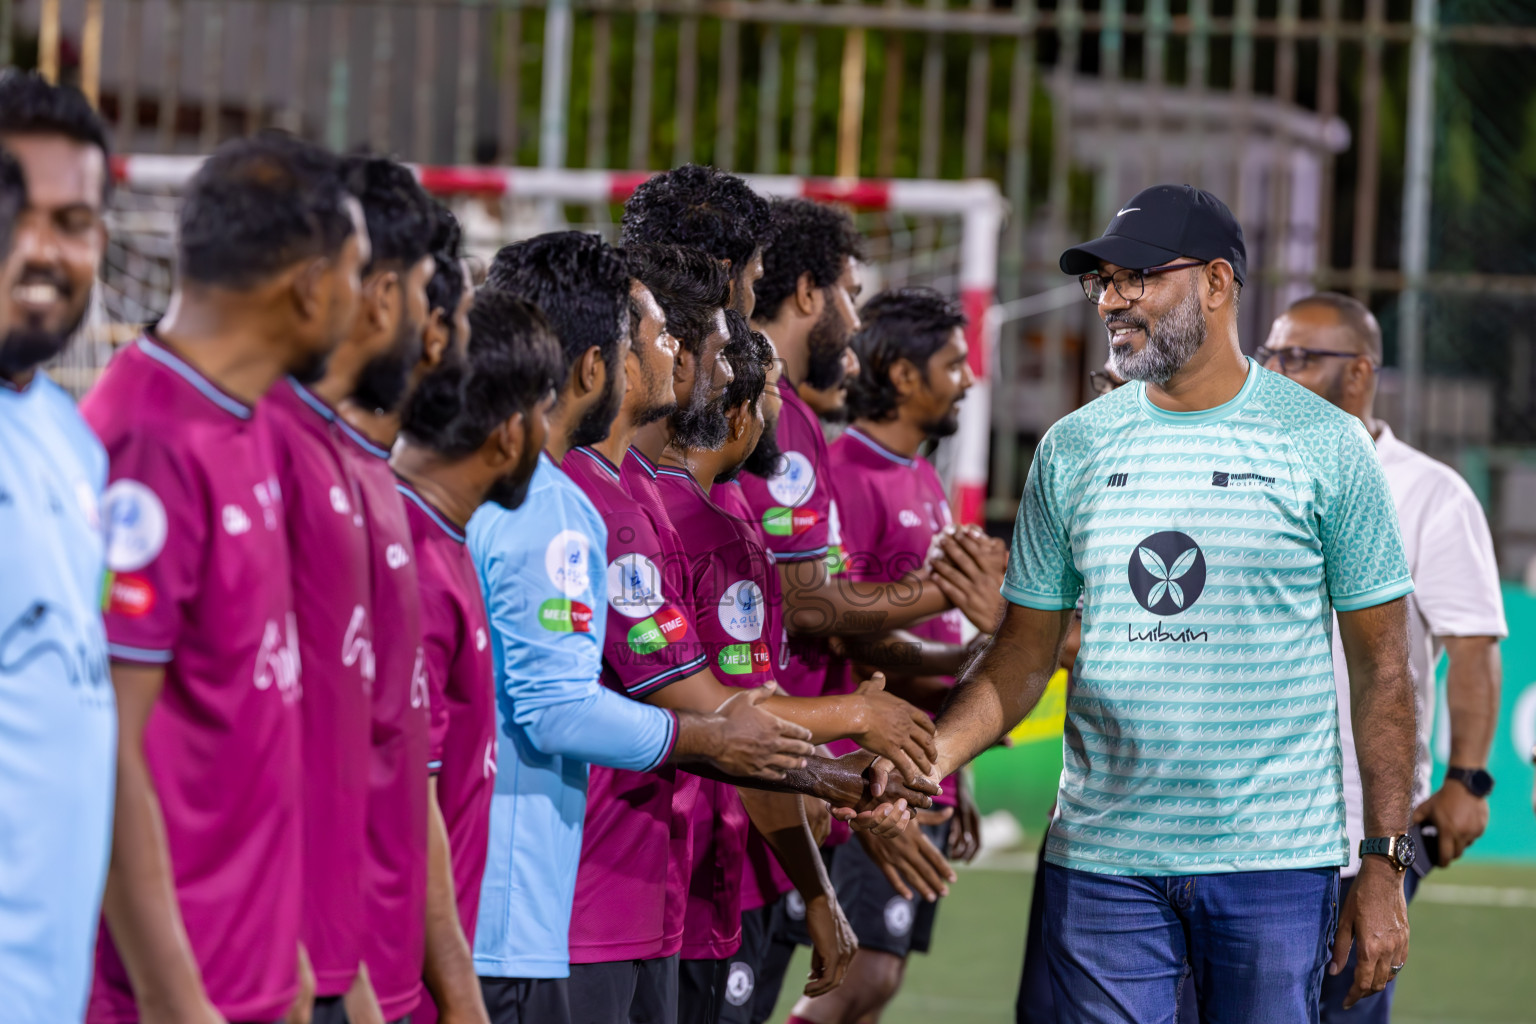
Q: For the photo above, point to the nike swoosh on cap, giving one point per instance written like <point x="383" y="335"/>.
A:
<point x="1133" y="209"/>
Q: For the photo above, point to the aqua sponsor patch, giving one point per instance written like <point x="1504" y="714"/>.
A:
<point x="634" y="586"/>
<point x="566" y="559"/>
<point x="136" y="525"/>
<point x="741" y="610"/>
<point x="795" y="480"/>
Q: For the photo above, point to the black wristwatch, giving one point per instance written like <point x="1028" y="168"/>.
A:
<point x="1397" y="849"/>
<point x="1477" y="780"/>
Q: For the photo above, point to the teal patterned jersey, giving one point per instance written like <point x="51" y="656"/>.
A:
<point x="1210" y="549"/>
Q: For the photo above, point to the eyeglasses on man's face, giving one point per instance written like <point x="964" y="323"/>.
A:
<point x="1131" y="284"/>
<point x="1293" y="360"/>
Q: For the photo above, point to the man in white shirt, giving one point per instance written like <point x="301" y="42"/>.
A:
<point x="1331" y="344"/>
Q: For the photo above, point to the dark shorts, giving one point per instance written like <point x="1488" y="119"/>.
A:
<point x="331" y="1010"/>
<point x="700" y="990"/>
<point x="527" y="1000"/>
<point x="744" y="972"/>
<point x="881" y="917"/>
<point x="625" y="992"/>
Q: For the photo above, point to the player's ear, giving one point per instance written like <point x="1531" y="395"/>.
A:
<point x="1219" y="283"/>
<point x="381" y="299"/>
<point x="591" y="371"/>
<point x="808" y="297"/>
<point x="740" y="421"/>
<point x="434" y="338"/>
<point x="308" y="286"/>
<point x="905" y="377"/>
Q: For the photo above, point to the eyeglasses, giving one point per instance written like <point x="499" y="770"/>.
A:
<point x="1292" y="360"/>
<point x="1102" y="383"/>
<point x="1131" y="284"/>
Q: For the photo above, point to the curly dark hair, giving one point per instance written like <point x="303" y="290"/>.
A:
<point x="578" y="281"/>
<point x="13" y="197"/>
<point x="808" y="237"/>
<point x="703" y="208"/>
<point x="30" y="105"/>
<point x="690" y="285"/>
<point x="905" y="323"/>
<point x="401" y="221"/>
<point x="751" y="358"/>
<point x="259" y="205"/>
<point x="446" y="285"/>
<point x="514" y="361"/>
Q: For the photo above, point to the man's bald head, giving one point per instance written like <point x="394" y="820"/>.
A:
<point x="1355" y="325"/>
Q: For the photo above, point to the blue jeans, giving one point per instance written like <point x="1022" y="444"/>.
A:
<point x="1255" y="942"/>
<point x="1376" y="1009"/>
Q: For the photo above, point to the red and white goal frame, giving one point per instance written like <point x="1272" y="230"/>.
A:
<point x="977" y="204"/>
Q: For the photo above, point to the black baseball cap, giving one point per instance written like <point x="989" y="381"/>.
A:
<point x="1159" y="225"/>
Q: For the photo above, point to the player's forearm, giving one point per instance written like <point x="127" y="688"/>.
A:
<point x="779" y="819"/>
<point x="1383" y="710"/>
<point x="901" y="653"/>
<point x="449" y="968"/>
<point x="816" y="604"/>
<point x="139" y="903"/>
<point x="1001" y="686"/>
<point x="1473" y="679"/>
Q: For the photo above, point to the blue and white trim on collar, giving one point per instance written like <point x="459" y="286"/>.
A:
<point x="410" y="494"/>
<point x="600" y="459"/>
<point x="209" y="390"/>
<point x="875" y="446"/>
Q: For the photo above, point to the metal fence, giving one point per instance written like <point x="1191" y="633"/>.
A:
<point x="1341" y="132"/>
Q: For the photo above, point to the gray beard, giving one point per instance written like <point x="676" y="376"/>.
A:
<point x="1177" y="337"/>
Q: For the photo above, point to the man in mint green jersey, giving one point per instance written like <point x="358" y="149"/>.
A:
<point x="1213" y="516"/>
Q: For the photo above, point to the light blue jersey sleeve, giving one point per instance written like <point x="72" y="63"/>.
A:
<point x="545" y="584"/>
<point x="1041" y="572"/>
<point x="1362" y="544"/>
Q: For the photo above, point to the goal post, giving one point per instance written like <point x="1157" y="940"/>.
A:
<point x="975" y="205"/>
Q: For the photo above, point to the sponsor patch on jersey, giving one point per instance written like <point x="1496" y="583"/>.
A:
<point x="136" y="525"/>
<point x="658" y="632"/>
<point x="634" y="586"/>
<point x="129" y="595"/>
<point x="744" y="659"/>
<point x="565" y="562"/>
<point x="562" y="615"/>
<point x="779" y="521"/>
<point x="741" y="610"/>
<point x="739" y="983"/>
<point x="793" y="483"/>
<point x="837" y="560"/>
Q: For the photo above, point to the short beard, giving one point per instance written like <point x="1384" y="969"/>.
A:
<point x="764" y="460"/>
<point x="825" y="345"/>
<point x="703" y="424"/>
<point x="596" y="425"/>
<point x="1178" y="336"/>
<point x="509" y="492"/>
<point x="652" y="384"/>
<point x="312" y="369"/>
<point x="384" y="381"/>
<point x="26" y="348"/>
<point x="945" y="426"/>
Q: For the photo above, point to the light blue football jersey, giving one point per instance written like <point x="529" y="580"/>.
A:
<point x="58" y="719"/>
<point x="544" y="573"/>
<point x="1211" y="549"/>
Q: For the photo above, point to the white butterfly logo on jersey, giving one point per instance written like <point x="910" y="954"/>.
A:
<point x="357" y="649"/>
<point x="395" y="556"/>
<point x="236" y="521"/>
<point x="480" y="639"/>
<point x="909" y="518"/>
<point x="339" y="501"/>
<point x="268" y="495"/>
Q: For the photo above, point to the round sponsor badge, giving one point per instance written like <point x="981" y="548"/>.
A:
<point x="794" y="481"/>
<point x="898" y="916"/>
<point x="634" y="586"/>
<point x="739" y="984"/>
<point x="136" y="525"/>
<point x="565" y="561"/>
<point x="794" y="905"/>
<point x="741" y="610"/>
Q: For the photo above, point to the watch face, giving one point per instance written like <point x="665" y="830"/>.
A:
<point x="1406" y="851"/>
